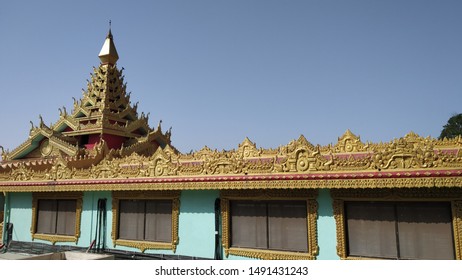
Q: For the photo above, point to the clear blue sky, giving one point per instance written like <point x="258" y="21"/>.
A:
<point x="218" y="71"/>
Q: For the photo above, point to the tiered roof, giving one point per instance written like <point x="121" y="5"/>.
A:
<point x="103" y="119"/>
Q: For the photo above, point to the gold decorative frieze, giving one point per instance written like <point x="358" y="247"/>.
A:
<point x="148" y="195"/>
<point x="401" y="156"/>
<point x="222" y="183"/>
<point x="301" y="195"/>
<point x="453" y="195"/>
<point x="21" y="173"/>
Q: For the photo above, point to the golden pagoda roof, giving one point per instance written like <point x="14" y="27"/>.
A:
<point x="104" y="113"/>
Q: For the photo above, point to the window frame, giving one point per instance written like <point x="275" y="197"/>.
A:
<point x="309" y="196"/>
<point x="340" y="196"/>
<point x="143" y="245"/>
<point x="53" y="238"/>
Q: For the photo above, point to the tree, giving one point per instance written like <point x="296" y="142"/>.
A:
<point x="453" y="128"/>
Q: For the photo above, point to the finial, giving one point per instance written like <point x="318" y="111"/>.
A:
<point x="108" y="53"/>
<point x="109" y="35"/>
<point x="41" y="121"/>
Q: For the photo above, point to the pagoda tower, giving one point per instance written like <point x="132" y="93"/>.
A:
<point x="102" y="120"/>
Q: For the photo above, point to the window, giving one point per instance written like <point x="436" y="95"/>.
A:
<point x="149" y="220"/>
<point x="400" y="230"/>
<point x="269" y="224"/>
<point x="274" y="225"/>
<point x="410" y="223"/>
<point x="145" y="220"/>
<point x="56" y="216"/>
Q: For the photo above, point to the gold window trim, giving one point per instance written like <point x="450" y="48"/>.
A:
<point x="452" y="195"/>
<point x="53" y="238"/>
<point x="301" y="195"/>
<point x="146" y="195"/>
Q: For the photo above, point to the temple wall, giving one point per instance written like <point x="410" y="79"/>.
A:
<point x="197" y="223"/>
<point x="326" y="227"/>
<point x="89" y="218"/>
<point x="21" y="215"/>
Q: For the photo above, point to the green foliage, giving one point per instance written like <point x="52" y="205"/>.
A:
<point x="453" y="128"/>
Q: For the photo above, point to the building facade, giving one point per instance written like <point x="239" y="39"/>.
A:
<point x="102" y="177"/>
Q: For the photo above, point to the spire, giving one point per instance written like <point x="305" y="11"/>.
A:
<point x="108" y="53"/>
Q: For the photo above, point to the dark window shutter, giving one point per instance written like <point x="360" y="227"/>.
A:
<point x="287" y="226"/>
<point x="66" y="217"/>
<point x="371" y="229"/>
<point x="248" y="224"/>
<point x="131" y="219"/>
<point x="425" y="231"/>
<point x="46" y="216"/>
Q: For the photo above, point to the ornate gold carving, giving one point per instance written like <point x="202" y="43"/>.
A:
<point x="410" y="153"/>
<point x="457" y="226"/>
<point x="198" y="184"/>
<point x="339" y="215"/>
<point x="248" y="149"/>
<point x="405" y="154"/>
<point x="150" y="195"/>
<point x="105" y="169"/>
<point x="45" y="148"/>
<point x="312" y="206"/>
<point x="55" y="195"/>
<point x="60" y="171"/>
<point x="412" y="194"/>
<point x="161" y="164"/>
<point x="21" y="173"/>
<point x="348" y="143"/>
<point x="269" y="255"/>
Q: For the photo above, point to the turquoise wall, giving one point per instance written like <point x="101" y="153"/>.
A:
<point x="197" y="223"/>
<point x="89" y="218"/>
<point x="21" y="215"/>
<point x="327" y="237"/>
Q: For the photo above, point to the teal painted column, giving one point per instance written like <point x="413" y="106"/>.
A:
<point x="327" y="237"/>
<point x="197" y="223"/>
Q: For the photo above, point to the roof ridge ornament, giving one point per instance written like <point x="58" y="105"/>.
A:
<point x="108" y="53"/>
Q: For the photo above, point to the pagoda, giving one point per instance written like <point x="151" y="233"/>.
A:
<point x="103" y="121"/>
